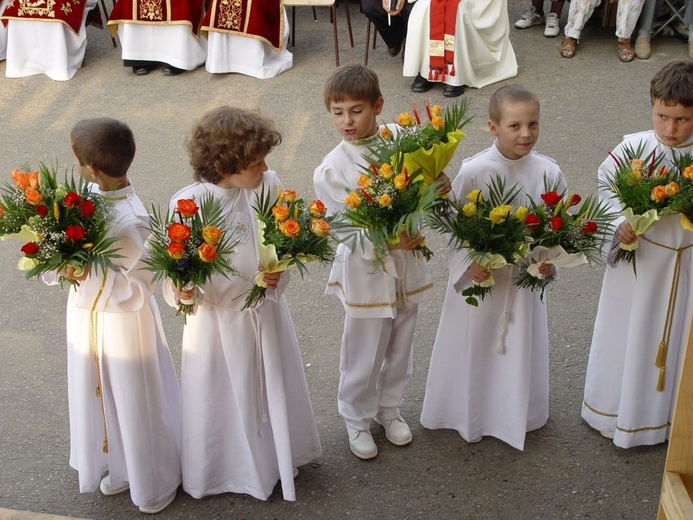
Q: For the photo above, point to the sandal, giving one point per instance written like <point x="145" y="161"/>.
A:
<point x="625" y="51"/>
<point x="568" y="47"/>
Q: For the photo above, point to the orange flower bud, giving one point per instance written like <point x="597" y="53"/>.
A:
<point x="688" y="172"/>
<point x="658" y="193"/>
<point x="175" y="250"/>
<point x="280" y="213"/>
<point x="207" y="252"/>
<point x="289" y="196"/>
<point x="364" y="181"/>
<point x="437" y="123"/>
<point x="386" y="133"/>
<point x="320" y="227"/>
<point x="290" y="228"/>
<point x="24" y="179"/>
<point x="186" y="207"/>
<point x="316" y="208"/>
<point x="33" y="196"/>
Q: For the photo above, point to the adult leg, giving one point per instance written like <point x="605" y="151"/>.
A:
<point x="392" y="31"/>
<point x="578" y="14"/>
<point x="642" y="43"/>
<point x="626" y="18"/>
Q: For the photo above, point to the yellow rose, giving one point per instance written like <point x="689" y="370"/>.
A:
<point x="289" y="196"/>
<point x="499" y="214"/>
<point x="290" y="228"/>
<point x="437" y="123"/>
<point x="405" y="119"/>
<point x="317" y="208"/>
<point x="400" y="181"/>
<point x="386" y="171"/>
<point x="469" y="209"/>
<point x="658" y="193"/>
<point x="671" y="189"/>
<point x="364" y="181"/>
<point x="636" y="164"/>
<point x="385" y="200"/>
<point x="353" y="200"/>
<point x="686" y="222"/>
<point x="475" y="196"/>
<point x="320" y="227"/>
<point x="386" y="133"/>
<point x="211" y="234"/>
<point x="280" y="212"/>
<point x="435" y="110"/>
<point x="688" y="172"/>
<point x="521" y="213"/>
<point x="633" y="177"/>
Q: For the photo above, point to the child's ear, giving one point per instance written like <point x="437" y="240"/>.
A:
<point x="95" y="172"/>
<point x="378" y="106"/>
<point x="493" y="128"/>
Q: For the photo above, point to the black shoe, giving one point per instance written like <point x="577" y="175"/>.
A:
<point x="394" y="51"/>
<point x="450" y="91"/>
<point x="170" y="70"/>
<point x="141" y="71"/>
<point x="421" y="84"/>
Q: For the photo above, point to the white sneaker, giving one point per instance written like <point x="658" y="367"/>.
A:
<point x="109" y="490"/>
<point x="529" y="19"/>
<point x="361" y="443"/>
<point x="552" y="28"/>
<point x="396" y="430"/>
<point x="158" y="508"/>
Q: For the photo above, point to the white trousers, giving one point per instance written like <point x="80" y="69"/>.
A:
<point x="375" y="366"/>
<point x="626" y="16"/>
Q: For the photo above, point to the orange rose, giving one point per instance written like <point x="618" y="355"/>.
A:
<point x="437" y="123"/>
<point x="386" y="171"/>
<point x="688" y="172"/>
<point x="317" y="208"/>
<point x="290" y="228"/>
<point x="658" y="193"/>
<point x="671" y="189"/>
<point x="289" y="196"/>
<point x="280" y="212"/>
<point x="386" y="133"/>
<point x="405" y="119"/>
<point x="636" y="164"/>
<point x="364" y="180"/>
<point x="186" y="207"/>
<point x="178" y="232"/>
<point x="33" y="196"/>
<point x="353" y="200"/>
<point x="385" y="200"/>
<point x="400" y="181"/>
<point x="207" y="252"/>
<point x="211" y="234"/>
<point x="320" y="227"/>
<point x="175" y="250"/>
<point x="24" y="179"/>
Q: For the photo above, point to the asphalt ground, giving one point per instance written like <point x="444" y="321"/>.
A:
<point x="566" y="470"/>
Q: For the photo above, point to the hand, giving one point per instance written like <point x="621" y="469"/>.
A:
<point x="407" y="242"/>
<point x="478" y="273"/>
<point x="271" y="279"/>
<point x="69" y="272"/>
<point x="546" y="270"/>
<point x="184" y="294"/>
<point x="624" y="233"/>
<point x="398" y="8"/>
<point x="444" y="184"/>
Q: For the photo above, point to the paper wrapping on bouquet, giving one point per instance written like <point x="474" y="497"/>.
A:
<point x="640" y="224"/>
<point x="25" y="235"/>
<point x="555" y="255"/>
<point x="259" y="19"/>
<point x="493" y="261"/>
<point x="270" y="262"/>
<point x="156" y="12"/>
<point x="69" y="12"/>
<point x="435" y="159"/>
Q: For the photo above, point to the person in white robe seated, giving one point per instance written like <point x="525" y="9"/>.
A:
<point x="167" y="35"/>
<point x="460" y="43"/>
<point x="251" y="41"/>
<point x="55" y="49"/>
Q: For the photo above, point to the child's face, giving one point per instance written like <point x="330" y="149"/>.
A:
<point x="249" y="178"/>
<point x="518" y="129"/>
<point x="355" y="119"/>
<point x="673" y="124"/>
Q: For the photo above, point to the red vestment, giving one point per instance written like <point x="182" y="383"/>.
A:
<point x="442" y="45"/>
<point x="260" y="19"/>
<point x="154" y="12"/>
<point x="69" y="12"/>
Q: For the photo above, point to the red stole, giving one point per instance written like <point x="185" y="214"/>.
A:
<point x="259" y="19"/>
<point x="155" y="12"/>
<point x="443" y="14"/>
<point x="69" y="12"/>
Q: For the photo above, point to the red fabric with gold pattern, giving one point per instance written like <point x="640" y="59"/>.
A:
<point x="260" y="19"/>
<point x="443" y="14"/>
<point x="154" y="12"/>
<point x="69" y="12"/>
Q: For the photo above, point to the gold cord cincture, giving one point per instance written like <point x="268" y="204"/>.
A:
<point x="94" y="325"/>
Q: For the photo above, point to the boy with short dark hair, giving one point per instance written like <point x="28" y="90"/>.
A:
<point x="124" y="398"/>
<point x="380" y="303"/>
<point x="635" y="314"/>
<point x="471" y="387"/>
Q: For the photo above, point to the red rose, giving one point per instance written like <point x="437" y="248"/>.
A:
<point x="186" y="207"/>
<point x="575" y="199"/>
<point x="30" y="249"/>
<point x="556" y="223"/>
<point x="75" y="232"/>
<point x="532" y="220"/>
<point x="551" y="198"/>
<point x="72" y="199"/>
<point x="589" y="227"/>
<point x="42" y="210"/>
<point x="87" y="208"/>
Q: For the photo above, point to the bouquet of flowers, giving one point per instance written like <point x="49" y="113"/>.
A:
<point x="682" y="202"/>
<point x="389" y="201"/>
<point x="290" y="234"/>
<point x="426" y="148"/>
<point x="645" y="188"/>
<point x="493" y="231"/>
<point x="563" y="234"/>
<point x="62" y="224"/>
<point x="189" y="246"/>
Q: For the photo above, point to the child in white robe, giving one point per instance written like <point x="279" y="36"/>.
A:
<point x="247" y="416"/>
<point x="132" y="429"/>
<point x="622" y="398"/>
<point x="472" y="387"/>
<point x="380" y="302"/>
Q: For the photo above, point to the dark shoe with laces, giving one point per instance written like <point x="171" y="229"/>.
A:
<point x="421" y="84"/>
<point x="450" y="91"/>
<point x="394" y="51"/>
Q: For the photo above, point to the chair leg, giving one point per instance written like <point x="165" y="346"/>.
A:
<point x="293" y="25"/>
<point x="105" y="14"/>
<point x="315" y="15"/>
<point x="336" y="42"/>
<point x="348" y="18"/>
<point x="368" y="41"/>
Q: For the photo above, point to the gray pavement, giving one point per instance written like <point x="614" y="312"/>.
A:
<point x="566" y="469"/>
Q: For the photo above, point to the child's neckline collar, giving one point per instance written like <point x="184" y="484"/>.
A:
<point x="365" y="140"/>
